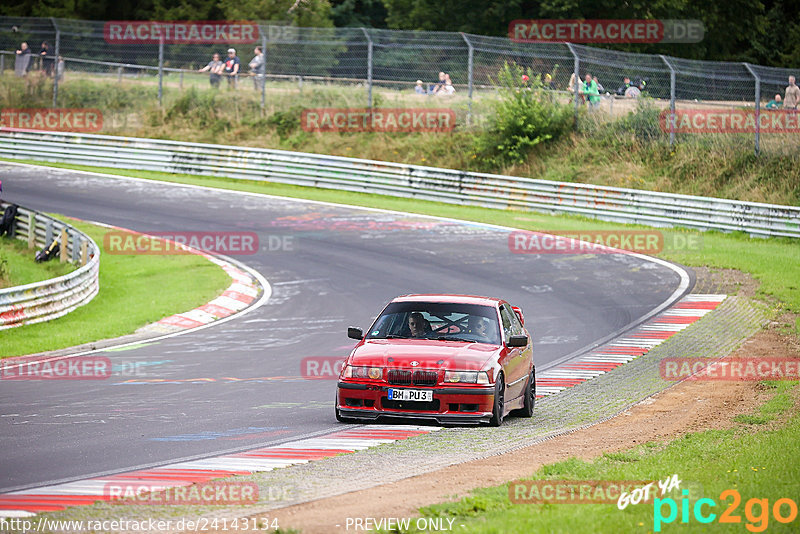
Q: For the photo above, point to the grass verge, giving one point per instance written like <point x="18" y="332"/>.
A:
<point x="127" y="299"/>
<point x="708" y="463"/>
<point x="17" y="267"/>
<point x="775" y="262"/>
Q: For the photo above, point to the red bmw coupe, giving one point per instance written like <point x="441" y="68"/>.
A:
<point x="449" y="358"/>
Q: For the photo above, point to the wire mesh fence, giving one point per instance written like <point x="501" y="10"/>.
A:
<point x="373" y="67"/>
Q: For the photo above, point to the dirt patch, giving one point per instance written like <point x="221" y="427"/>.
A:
<point x="724" y="281"/>
<point x="690" y="406"/>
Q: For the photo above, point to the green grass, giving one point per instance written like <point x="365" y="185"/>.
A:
<point x="759" y="465"/>
<point x="134" y="291"/>
<point x="775" y="262"/>
<point x="17" y="267"/>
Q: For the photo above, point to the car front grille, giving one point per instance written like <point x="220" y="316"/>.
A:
<point x="425" y="378"/>
<point x="400" y="377"/>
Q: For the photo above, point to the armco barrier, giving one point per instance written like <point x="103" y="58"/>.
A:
<point x="43" y="301"/>
<point x="396" y="179"/>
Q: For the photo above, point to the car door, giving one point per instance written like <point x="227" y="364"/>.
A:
<point x="515" y="369"/>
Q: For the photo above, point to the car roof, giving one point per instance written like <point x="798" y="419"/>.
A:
<point x="457" y="299"/>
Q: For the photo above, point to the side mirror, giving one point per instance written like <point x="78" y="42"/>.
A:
<point x="355" y="333"/>
<point x="518" y="311"/>
<point x="518" y="341"/>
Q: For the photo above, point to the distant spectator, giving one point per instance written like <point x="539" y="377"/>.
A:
<point x="525" y="79"/>
<point x="632" y="92"/>
<point x="549" y="83"/>
<point x="449" y="89"/>
<point x="571" y="84"/>
<point x="214" y="68"/>
<point x="47" y="59"/>
<point x="590" y="90"/>
<point x="775" y="103"/>
<point x="600" y="88"/>
<point x="419" y="89"/>
<point x="439" y="85"/>
<point x="232" y="65"/>
<point x="626" y="82"/>
<point x="258" y="67"/>
<point x="23" y="61"/>
<point x="791" y="96"/>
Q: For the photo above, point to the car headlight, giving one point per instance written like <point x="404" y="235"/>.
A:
<point x="466" y="377"/>
<point x="371" y="373"/>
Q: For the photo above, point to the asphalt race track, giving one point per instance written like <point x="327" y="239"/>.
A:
<point x="239" y="385"/>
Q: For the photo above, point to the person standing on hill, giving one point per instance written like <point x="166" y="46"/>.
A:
<point x="792" y="95"/>
<point x="232" y="65"/>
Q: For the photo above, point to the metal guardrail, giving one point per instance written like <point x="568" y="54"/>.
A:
<point x="414" y="181"/>
<point x="49" y="299"/>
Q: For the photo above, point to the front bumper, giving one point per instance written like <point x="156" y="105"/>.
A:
<point x="451" y="404"/>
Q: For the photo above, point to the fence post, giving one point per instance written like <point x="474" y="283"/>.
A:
<point x="160" y="69"/>
<point x="577" y="71"/>
<point x="32" y="230"/>
<point x="64" y="244"/>
<point x="264" y="81"/>
<point x="471" y="55"/>
<point x="369" y="67"/>
<point x="758" y="107"/>
<point x="55" y="62"/>
<point x="2" y="64"/>
<point x="671" y="101"/>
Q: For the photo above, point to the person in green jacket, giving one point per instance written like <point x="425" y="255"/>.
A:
<point x="590" y="89"/>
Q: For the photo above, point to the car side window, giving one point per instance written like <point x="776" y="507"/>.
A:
<point x="516" y="325"/>
<point x="507" y="323"/>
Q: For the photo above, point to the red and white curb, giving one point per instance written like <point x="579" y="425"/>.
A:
<point x="58" y="497"/>
<point x="620" y="351"/>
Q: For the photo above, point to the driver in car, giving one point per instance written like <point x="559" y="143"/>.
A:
<point x="417" y="324"/>
<point x="477" y="326"/>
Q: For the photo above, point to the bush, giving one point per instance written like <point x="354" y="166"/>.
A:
<point x="525" y="115"/>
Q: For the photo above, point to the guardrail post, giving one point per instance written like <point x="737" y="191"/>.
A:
<point x="84" y="251"/>
<point x="470" y="58"/>
<point x="2" y="64"/>
<point x="180" y="82"/>
<point x="369" y="67"/>
<point x="31" y="230"/>
<point x="160" y="69"/>
<point x="671" y="101"/>
<point x="76" y="249"/>
<point x="119" y="74"/>
<point x="55" y="62"/>
<point x="64" y="243"/>
<point x="758" y="107"/>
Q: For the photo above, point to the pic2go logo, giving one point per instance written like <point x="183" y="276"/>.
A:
<point x="757" y="522"/>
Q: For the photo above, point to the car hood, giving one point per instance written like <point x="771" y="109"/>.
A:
<point x="430" y="354"/>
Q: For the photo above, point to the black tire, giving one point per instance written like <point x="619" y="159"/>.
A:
<point x="530" y="396"/>
<point x="499" y="402"/>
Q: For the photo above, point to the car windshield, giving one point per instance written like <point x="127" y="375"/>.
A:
<point x="437" y="320"/>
